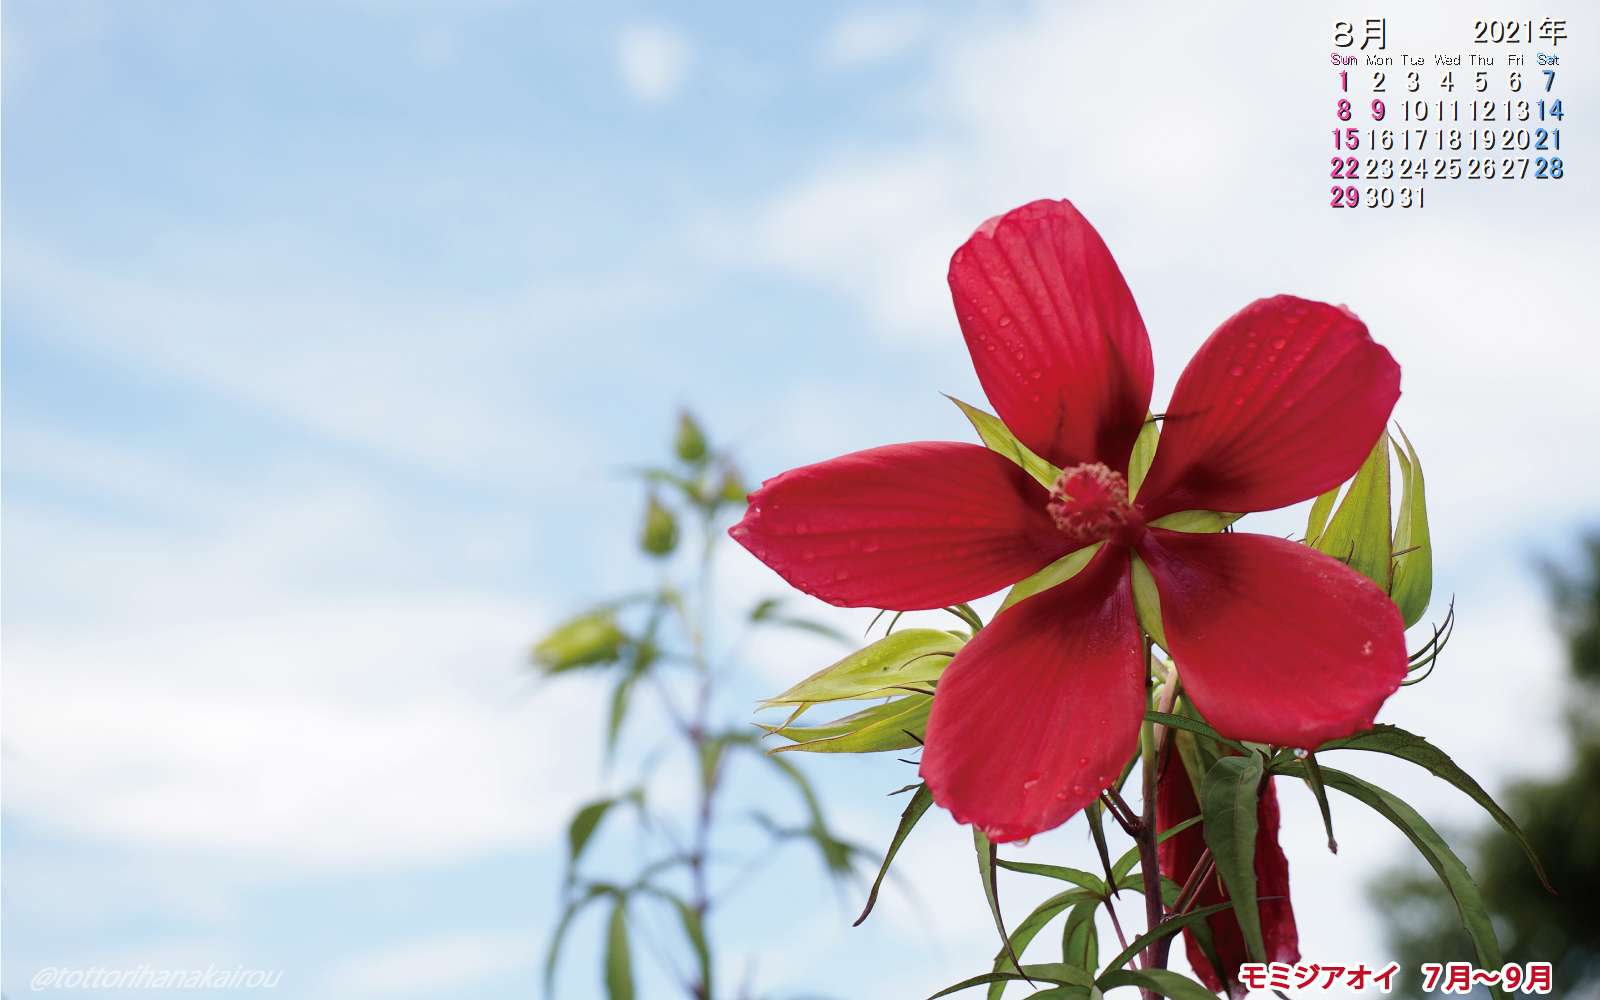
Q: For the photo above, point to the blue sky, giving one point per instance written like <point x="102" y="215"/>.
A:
<point x="328" y="328"/>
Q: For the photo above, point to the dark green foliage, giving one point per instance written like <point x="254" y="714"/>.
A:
<point x="1561" y="818"/>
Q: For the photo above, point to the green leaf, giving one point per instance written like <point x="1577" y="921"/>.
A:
<point x="1130" y="858"/>
<point x="1144" y="452"/>
<point x="1046" y="972"/>
<point x="694" y="929"/>
<point x="894" y="725"/>
<point x="1359" y="534"/>
<point x="1080" y="941"/>
<point x="1228" y="806"/>
<point x="1147" y="603"/>
<point x="568" y="914"/>
<point x="1058" y="572"/>
<point x="619" y="963"/>
<point x="1166" y="928"/>
<point x="1452" y="873"/>
<point x="998" y="437"/>
<point x="1192" y="725"/>
<point x="991" y="889"/>
<point x="1314" y="782"/>
<point x="836" y="854"/>
<point x="1195" y="521"/>
<point x="1174" y="985"/>
<point x="584" y="823"/>
<point x="766" y="612"/>
<point x="1396" y="742"/>
<point x="1082" y="879"/>
<point x="919" y="804"/>
<point x="1413" y="566"/>
<point x="910" y="656"/>
<point x="1029" y="929"/>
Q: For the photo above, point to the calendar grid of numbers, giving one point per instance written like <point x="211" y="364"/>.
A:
<point x="1406" y="124"/>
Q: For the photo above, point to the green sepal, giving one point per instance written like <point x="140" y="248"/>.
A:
<point x="1412" y="584"/>
<point x="998" y="438"/>
<point x="1360" y="533"/>
<point x="897" y="724"/>
<point x="1147" y="603"/>
<point x="1058" y="572"/>
<point x="1199" y="522"/>
<point x="913" y="656"/>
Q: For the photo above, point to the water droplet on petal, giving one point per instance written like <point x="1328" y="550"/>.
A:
<point x="1236" y="370"/>
<point x="1279" y="343"/>
<point x="1005" y="320"/>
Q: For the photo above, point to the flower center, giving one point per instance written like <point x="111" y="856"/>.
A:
<point x="1089" y="503"/>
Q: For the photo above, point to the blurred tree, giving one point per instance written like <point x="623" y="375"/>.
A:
<point x="655" y="644"/>
<point x="1561" y="817"/>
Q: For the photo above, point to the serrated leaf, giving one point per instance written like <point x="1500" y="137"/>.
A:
<point x="1228" y="806"/>
<point x="1058" y="572"/>
<point x="1452" y="873"/>
<point x="1397" y="742"/>
<point x="1360" y="533"/>
<point x="1195" y="521"/>
<point x="997" y="437"/>
<point x="894" y="725"/>
<point x="919" y="804"/>
<point x="1412" y="584"/>
<point x="618" y="961"/>
<point x="910" y="656"/>
<point x="1173" y="985"/>
<point x="1029" y="929"/>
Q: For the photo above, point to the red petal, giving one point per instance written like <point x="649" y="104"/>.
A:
<point x="905" y="526"/>
<point x="1275" y="642"/>
<point x="1175" y="802"/>
<point x="1282" y="402"/>
<point x="1039" y="712"/>
<point x="1054" y="334"/>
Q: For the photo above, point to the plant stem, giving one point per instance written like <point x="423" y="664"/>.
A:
<point x="699" y="740"/>
<point x="1155" y="957"/>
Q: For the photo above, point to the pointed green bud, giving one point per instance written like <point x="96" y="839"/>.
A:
<point x="660" y="534"/>
<point x="591" y="638"/>
<point x="690" y="443"/>
<point x="733" y="489"/>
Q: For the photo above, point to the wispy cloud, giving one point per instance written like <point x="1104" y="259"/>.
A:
<point x="654" y="61"/>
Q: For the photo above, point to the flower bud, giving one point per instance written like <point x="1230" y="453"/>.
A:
<point x="690" y="443"/>
<point x="733" y="489"/>
<point x="660" y="534"/>
<point x="590" y="638"/>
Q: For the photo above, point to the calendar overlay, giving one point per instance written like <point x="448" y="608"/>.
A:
<point x="1405" y="122"/>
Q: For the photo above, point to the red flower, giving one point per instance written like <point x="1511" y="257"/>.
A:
<point x="1175" y="802"/>
<point x="1275" y="641"/>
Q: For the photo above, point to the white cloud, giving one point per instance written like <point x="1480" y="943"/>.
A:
<point x="427" y="965"/>
<point x="868" y="36"/>
<point x="270" y="683"/>
<point x="654" y="61"/>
